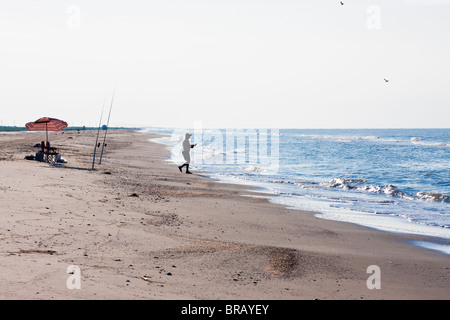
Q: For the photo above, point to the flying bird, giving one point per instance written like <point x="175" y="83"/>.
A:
<point x="342" y="3"/>
<point x="387" y="80"/>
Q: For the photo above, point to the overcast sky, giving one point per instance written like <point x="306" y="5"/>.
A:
<point x="227" y="63"/>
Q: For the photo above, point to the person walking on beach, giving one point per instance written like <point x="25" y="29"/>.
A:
<point x="187" y="146"/>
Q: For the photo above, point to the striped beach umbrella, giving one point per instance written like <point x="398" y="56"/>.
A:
<point x="46" y="124"/>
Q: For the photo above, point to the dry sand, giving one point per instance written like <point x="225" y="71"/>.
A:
<point x="139" y="229"/>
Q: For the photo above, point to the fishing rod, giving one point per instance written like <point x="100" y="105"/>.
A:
<point x="98" y="133"/>
<point x="107" y="126"/>
<point x="204" y="137"/>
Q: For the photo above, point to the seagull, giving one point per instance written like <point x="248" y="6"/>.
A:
<point x="387" y="80"/>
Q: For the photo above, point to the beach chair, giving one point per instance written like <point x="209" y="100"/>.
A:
<point x="50" y="154"/>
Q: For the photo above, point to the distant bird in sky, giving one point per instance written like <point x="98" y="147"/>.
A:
<point x="387" y="80"/>
<point x="342" y="3"/>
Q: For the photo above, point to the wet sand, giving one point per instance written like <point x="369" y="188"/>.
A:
<point x="137" y="228"/>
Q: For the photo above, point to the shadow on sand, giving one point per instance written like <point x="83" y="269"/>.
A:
<point x="62" y="166"/>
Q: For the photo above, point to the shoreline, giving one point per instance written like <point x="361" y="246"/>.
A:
<point x="138" y="229"/>
<point x="392" y="224"/>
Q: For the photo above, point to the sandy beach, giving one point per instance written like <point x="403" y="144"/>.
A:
<point x="139" y="229"/>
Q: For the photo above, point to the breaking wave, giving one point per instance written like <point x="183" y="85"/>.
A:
<point x="391" y="190"/>
<point x="435" y="197"/>
<point x="342" y="138"/>
<point x="353" y="138"/>
<point x="418" y="141"/>
<point x="252" y="168"/>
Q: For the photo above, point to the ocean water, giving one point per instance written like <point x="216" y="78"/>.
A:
<point x="396" y="180"/>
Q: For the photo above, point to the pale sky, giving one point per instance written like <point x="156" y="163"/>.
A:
<point x="227" y="63"/>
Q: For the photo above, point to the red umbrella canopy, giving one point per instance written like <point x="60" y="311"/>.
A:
<point x="46" y="124"/>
